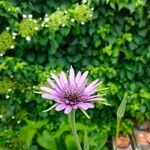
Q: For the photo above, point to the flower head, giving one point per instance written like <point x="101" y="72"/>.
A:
<point x="71" y="92"/>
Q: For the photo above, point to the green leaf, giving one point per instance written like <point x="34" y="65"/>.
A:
<point x="31" y="57"/>
<point x="98" y="140"/>
<point x="47" y="141"/>
<point x="65" y="31"/>
<point x="26" y="134"/>
<point x="121" y="109"/>
<point x="41" y="59"/>
<point x="70" y="143"/>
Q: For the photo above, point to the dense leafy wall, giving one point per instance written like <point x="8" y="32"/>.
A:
<point x="108" y="38"/>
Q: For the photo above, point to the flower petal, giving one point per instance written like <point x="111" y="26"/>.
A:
<point x="83" y="106"/>
<point x="68" y="110"/>
<point x="96" y="99"/>
<point x="78" y="77"/>
<point x="83" y="80"/>
<point x="90" y="86"/>
<point x="56" y="79"/>
<point x="63" y="79"/>
<point x="48" y="90"/>
<point x="92" y="91"/>
<point x="89" y="105"/>
<point x="51" y="97"/>
<point x="60" y="107"/>
<point x="52" y="84"/>
<point x="71" y="76"/>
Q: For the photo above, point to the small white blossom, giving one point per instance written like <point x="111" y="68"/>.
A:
<point x="7" y="28"/>
<point x="63" y="25"/>
<point x="46" y="15"/>
<point x="72" y="20"/>
<point x="92" y="8"/>
<point x="13" y="37"/>
<point x="46" y="25"/>
<point x="82" y="23"/>
<point x="30" y="16"/>
<point x="12" y="117"/>
<point x="1" y="116"/>
<point x="58" y="8"/>
<point x="65" y="12"/>
<point x="46" y="19"/>
<point x="24" y="16"/>
<point x="84" y="1"/>
<point x="28" y="38"/>
<point x="14" y="33"/>
<point x="12" y="46"/>
<point x="36" y="28"/>
<point x="9" y="90"/>
<point x="1" y="54"/>
<point x="34" y="86"/>
<point x="7" y="96"/>
<point x="18" y="122"/>
<point x="35" y="21"/>
<point x="42" y="25"/>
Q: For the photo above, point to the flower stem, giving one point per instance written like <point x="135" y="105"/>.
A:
<point x="73" y="128"/>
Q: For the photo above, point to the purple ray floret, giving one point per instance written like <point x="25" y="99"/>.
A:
<point x="71" y="92"/>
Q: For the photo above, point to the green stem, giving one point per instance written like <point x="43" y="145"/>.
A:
<point x="117" y="128"/>
<point x="73" y="128"/>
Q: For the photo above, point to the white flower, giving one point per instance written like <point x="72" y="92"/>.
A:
<point x="7" y="96"/>
<point x="58" y="8"/>
<point x="34" y="21"/>
<point x="24" y="16"/>
<point x="65" y="12"/>
<point x="92" y="8"/>
<point x="72" y="20"/>
<point x="14" y="33"/>
<point x="46" y="15"/>
<point x="82" y="23"/>
<point x="84" y="1"/>
<point x="36" y="28"/>
<point x="9" y="90"/>
<point x="18" y="122"/>
<point x="42" y="25"/>
<point x="12" y="46"/>
<point x="30" y="16"/>
<point x="7" y="28"/>
<point x="1" y="116"/>
<point x="1" y="54"/>
<point x="13" y="37"/>
<point x="46" y="25"/>
<point x="28" y="38"/>
<point x="63" y="25"/>
<point x="46" y="19"/>
<point x="12" y="117"/>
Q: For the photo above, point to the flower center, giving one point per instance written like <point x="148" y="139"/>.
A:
<point x="73" y="97"/>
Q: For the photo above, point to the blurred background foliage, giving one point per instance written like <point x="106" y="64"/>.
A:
<point x="109" y="38"/>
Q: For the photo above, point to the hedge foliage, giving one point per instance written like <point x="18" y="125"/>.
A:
<point x="108" y="38"/>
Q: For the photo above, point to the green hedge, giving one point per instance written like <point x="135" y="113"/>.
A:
<point x="108" y="38"/>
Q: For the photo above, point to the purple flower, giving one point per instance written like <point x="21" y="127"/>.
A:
<point x="72" y="92"/>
